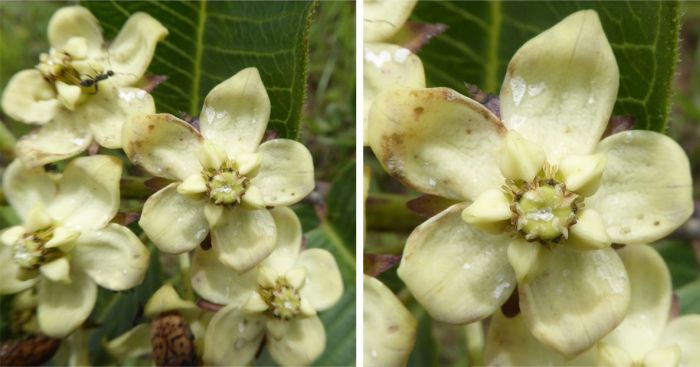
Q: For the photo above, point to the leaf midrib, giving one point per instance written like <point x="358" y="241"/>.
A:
<point x="199" y="47"/>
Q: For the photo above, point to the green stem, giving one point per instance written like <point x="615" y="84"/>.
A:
<point x="7" y="143"/>
<point x="388" y="212"/>
<point x="185" y="276"/>
<point x="475" y="343"/>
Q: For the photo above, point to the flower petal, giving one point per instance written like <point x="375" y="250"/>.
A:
<point x="589" y="232"/>
<point x="437" y="141"/>
<point x="63" y="307"/>
<point x="68" y="94"/>
<point x="303" y="341"/>
<point x="88" y="192"/>
<point x="521" y="159"/>
<point x="583" y="173"/>
<point x="163" y="145"/>
<point x="236" y="112"/>
<point x="232" y="338"/>
<point x="244" y="237"/>
<point x="166" y="299"/>
<point x="528" y="259"/>
<point x="669" y="356"/>
<point x="255" y="304"/>
<point x="684" y="332"/>
<point x="491" y="206"/>
<point x="108" y="111"/>
<point x="612" y="355"/>
<point x="132" y="51"/>
<point x="289" y="240"/>
<point x="286" y="172"/>
<point x="646" y="191"/>
<point x="650" y="302"/>
<point x="323" y="285"/>
<point x="63" y="238"/>
<point x="560" y="87"/>
<point x="23" y="187"/>
<point x="581" y="297"/>
<point x="457" y="272"/>
<point x="61" y="138"/>
<point x="133" y="343"/>
<point x="217" y="283"/>
<point x="172" y="235"/>
<point x="509" y="343"/>
<point x="387" y="66"/>
<point x="390" y="329"/>
<point x="382" y="19"/>
<point x="75" y="21"/>
<point x="29" y="98"/>
<point x="193" y="185"/>
<point x="113" y="257"/>
<point x="57" y="270"/>
<point x="9" y="271"/>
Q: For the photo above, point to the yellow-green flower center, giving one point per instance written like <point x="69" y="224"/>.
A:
<point x="226" y="186"/>
<point x="30" y="252"/>
<point x="543" y="210"/>
<point x="283" y="300"/>
<point x="57" y="66"/>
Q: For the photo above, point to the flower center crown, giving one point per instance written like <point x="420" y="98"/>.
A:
<point x="543" y="210"/>
<point x="226" y="185"/>
<point x="283" y="299"/>
<point x="30" y="251"/>
<point x="58" y="66"/>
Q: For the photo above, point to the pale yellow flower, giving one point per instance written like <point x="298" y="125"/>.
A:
<point x="646" y="337"/>
<point x="66" y="245"/>
<point x="226" y="179"/>
<point x="63" y="92"/>
<point x="542" y="197"/>
<point x="389" y="328"/>
<point x="278" y="299"/>
<point x="387" y="65"/>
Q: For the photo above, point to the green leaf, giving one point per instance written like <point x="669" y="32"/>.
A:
<point x="681" y="261"/>
<point x="336" y="234"/>
<point x="689" y="297"/>
<point x="482" y="37"/>
<point x="211" y="41"/>
<point x="425" y="351"/>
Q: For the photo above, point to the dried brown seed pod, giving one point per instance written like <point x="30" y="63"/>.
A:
<point x="33" y="351"/>
<point x="172" y="341"/>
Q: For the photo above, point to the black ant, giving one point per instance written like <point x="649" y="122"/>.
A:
<point x="91" y="81"/>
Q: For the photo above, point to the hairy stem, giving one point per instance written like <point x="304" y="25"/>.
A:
<point x="185" y="276"/>
<point x="475" y="343"/>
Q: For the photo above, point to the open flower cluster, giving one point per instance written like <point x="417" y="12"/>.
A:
<point x="541" y="197"/>
<point x="228" y="192"/>
<point x="67" y="244"/>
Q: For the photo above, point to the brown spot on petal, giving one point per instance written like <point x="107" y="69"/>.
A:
<point x="417" y="112"/>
